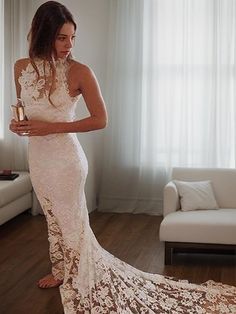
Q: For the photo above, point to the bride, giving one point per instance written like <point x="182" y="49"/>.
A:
<point x="90" y="279"/>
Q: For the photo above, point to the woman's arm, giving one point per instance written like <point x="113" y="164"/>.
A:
<point x="89" y="88"/>
<point x="18" y="67"/>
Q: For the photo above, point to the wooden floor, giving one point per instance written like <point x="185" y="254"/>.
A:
<point x="133" y="238"/>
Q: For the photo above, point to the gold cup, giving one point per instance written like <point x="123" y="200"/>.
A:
<point x="18" y="110"/>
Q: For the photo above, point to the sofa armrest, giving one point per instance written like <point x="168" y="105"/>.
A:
<point x="170" y="199"/>
<point x="36" y="207"/>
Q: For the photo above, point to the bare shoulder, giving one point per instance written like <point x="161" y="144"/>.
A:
<point x="80" y="70"/>
<point x="81" y="77"/>
<point x="22" y="62"/>
<point x="20" y="65"/>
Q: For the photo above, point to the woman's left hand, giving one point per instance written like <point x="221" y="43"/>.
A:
<point x="31" y="127"/>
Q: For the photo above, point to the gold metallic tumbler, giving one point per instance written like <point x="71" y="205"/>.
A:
<point x="18" y="110"/>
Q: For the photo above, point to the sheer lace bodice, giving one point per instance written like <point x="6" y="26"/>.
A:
<point x="35" y="92"/>
<point x="94" y="281"/>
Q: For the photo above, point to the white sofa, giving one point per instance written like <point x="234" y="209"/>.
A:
<point x="213" y="229"/>
<point x="16" y="196"/>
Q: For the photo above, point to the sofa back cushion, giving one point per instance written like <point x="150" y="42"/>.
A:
<point x="223" y="182"/>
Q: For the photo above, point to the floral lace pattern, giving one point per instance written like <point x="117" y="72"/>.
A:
<point x="35" y="92"/>
<point x="55" y="239"/>
<point x="94" y="281"/>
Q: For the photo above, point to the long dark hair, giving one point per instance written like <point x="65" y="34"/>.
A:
<point x="46" y="24"/>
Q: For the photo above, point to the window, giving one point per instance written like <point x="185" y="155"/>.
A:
<point x="188" y="106"/>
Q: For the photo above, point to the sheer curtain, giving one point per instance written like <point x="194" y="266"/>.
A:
<point x="171" y="96"/>
<point x="13" y="149"/>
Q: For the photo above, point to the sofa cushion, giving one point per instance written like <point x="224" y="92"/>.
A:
<point x="223" y="182"/>
<point x="196" y="195"/>
<point x="11" y="190"/>
<point x="202" y="226"/>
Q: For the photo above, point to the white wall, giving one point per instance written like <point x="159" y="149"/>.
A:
<point x="90" y="48"/>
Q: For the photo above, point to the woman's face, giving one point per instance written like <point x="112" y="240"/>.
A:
<point x="65" y="40"/>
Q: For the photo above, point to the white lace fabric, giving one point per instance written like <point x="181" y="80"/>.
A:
<point x="94" y="281"/>
<point x="35" y="92"/>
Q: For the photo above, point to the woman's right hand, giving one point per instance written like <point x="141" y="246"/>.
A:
<point x="13" y="126"/>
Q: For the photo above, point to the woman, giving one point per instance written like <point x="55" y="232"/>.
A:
<point x="91" y="280"/>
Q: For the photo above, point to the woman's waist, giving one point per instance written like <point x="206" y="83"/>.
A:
<point x="55" y="149"/>
<point x="60" y="140"/>
<point x="50" y="117"/>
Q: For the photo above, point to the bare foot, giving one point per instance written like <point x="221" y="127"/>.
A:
<point x="49" y="282"/>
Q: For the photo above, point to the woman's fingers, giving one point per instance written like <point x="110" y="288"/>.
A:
<point x="30" y="128"/>
<point x="12" y="126"/>
<point x="23" y="123"/>
<point x="21" y="128"/>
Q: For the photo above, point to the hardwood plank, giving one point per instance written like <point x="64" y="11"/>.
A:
<point x="133" y="238"/>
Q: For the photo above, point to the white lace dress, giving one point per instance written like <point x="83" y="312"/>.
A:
<point x="94" y="281"/>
